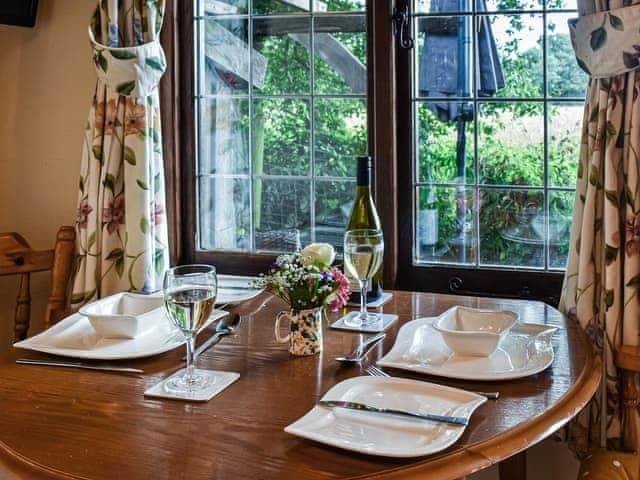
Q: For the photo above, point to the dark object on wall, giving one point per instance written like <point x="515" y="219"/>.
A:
<point x="18" y="12"/>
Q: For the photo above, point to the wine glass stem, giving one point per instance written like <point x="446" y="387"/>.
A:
<point x="363" y="298"/>
<point x="191" y="343"/>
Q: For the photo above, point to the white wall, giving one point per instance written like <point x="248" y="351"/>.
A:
<point x="46" y="85"/>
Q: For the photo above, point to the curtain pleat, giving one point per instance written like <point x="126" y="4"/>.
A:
<point x="602" y="281"/>
<point x="121" y="224"/>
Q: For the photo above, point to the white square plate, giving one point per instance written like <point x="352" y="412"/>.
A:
<point x="526" y="350"/>
<point x="75" y="337"/>
<point x="386" y="434"/>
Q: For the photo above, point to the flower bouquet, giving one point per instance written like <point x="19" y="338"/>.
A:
<point x="307" y="280"/>
<point x="309" y="284"/>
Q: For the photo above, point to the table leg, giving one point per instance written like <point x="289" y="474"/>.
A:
<point x="514" y="468"/>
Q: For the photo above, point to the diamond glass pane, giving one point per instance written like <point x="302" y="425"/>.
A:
<point x="224" y="214"/>
<point x="224" y="136"/>
<point x="507" y="234"/>
<point x="340" y="135"/>
<point x="339" y="5"/>
<point x="333" y="200"/>
<point x="511" y="143"/>
<point x="225" y="55"/>
<point x="558" y="227"/>
<point x="281" y="137"/>
<point x="565" y="132"/>
<point x="443" y="57"/>
<point x="445" y="156"/>
<point x="283" y="44"/>
<point x="564" y="78"/>
<point x="442" y="6"/>
<point x="518" y="39"/>
<point x="340" y="60"/>
<point x="282" y="213"/>
<point x="223" y="7"/>
<point x="445" y="225"/>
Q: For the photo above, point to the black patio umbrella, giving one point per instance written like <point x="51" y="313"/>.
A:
<point x="448" y="44"/>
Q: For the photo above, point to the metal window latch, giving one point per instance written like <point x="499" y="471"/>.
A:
<point x="401" y="27"/>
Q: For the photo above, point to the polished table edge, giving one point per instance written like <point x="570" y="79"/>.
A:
<point x="482" y="455"/>
<point x="450" y="466"/>
<point x="19" y="467"/>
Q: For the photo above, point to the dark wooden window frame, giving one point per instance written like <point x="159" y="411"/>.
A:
<point x="390" y="139"/>
<point x="179" y="133"/>
<point x="504" y="282"/>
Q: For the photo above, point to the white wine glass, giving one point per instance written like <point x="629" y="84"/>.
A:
<point x="189" y="297"/>
<point x="363" y="252"/>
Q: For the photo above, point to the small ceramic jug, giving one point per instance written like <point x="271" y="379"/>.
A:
<point x="305" y="331"/>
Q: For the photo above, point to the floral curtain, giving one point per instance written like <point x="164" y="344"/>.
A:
<point x="602" y="282"/>
<point x="121" y="227"/>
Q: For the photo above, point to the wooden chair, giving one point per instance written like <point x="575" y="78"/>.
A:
<point x="18" y="258"/>
<point x="604" y="464"/>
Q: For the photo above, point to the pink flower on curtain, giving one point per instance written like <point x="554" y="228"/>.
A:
<point x="632" y="229"/>
<point x="82" y="214"/>
<point x="114" y="214"/>
<point x="135" y="117"/>
<point x="158" y="214"/>
<point x="105" y="117"/>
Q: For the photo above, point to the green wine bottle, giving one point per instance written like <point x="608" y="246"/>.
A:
<point x="365" y="215"/>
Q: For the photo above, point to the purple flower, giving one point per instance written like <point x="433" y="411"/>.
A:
<point x="84" y="209"/>
<point x="113" y="215"/>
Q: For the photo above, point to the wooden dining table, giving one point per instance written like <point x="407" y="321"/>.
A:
<point x="80" y="424"/>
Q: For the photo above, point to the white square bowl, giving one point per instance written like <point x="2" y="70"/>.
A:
<point x="124" y="315"/>
<point x="472" y="331"/>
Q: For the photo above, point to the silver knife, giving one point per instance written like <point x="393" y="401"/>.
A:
<point x="59" y="363"/>
<point x="368" y="408"/>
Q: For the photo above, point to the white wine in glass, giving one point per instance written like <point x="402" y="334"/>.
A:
<point x="363" y="252"/>
<point x="189" y="297"/>
<point x="190" y="307"/>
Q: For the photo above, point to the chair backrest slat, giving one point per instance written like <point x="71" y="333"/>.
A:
<point x="18" y="258"/>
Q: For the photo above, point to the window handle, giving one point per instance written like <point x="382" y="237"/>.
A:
<point x="401" y="28"/>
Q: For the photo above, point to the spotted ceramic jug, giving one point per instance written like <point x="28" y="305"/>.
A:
<point x="305" y="331"/>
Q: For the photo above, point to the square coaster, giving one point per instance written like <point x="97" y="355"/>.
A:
<point x="384" y="298"/>
<point x="221" y="380"/>
<point x="385" y="321"/>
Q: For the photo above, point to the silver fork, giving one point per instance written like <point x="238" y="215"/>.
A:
<point x="378" y="372"/>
